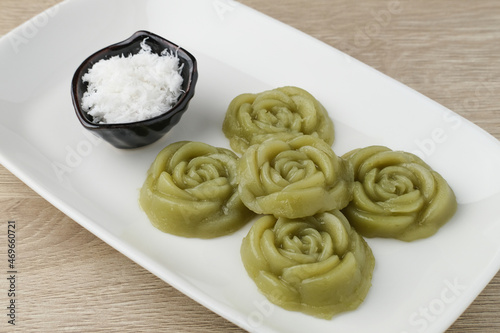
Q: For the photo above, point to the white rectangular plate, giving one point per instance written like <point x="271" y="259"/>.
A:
<point x="417" y="287"/>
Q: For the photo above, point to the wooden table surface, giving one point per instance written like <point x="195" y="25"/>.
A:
<point x="70" y="280"/>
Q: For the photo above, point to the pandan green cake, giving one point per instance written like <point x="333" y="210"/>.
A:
<point x="317" y="265"/>
<point x="397" y="195"/>
<point x="283" y="112"/>
<point x="295" y="178"/>
<point x="191" y="191"/>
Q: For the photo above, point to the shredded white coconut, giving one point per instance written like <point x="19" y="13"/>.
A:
<point x="124" y="89"/>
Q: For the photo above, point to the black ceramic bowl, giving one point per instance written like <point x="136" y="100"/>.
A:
<point x="140" y="133"/>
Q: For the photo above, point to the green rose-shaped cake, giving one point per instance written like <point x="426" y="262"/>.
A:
<point x="191" y="191"/>
<point x="295" y="178"/>
<point x="397" y="195"/>
<point x="283" y="112"/>
<point x="317" y="265"/>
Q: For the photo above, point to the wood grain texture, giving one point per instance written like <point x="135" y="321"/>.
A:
<point x="71" y="281"/>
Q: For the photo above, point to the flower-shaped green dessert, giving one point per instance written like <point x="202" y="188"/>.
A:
<point x="295" y="178"/>
<point x="283" y="112"/>
<point x="397" y="195"/>
<point x="191" y="191"/>
<point x="317" y="265"/>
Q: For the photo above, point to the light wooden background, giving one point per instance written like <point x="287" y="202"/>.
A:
<point x="70" y="280"/>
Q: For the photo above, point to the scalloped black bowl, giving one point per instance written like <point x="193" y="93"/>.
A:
<point x="140" y="133"/>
